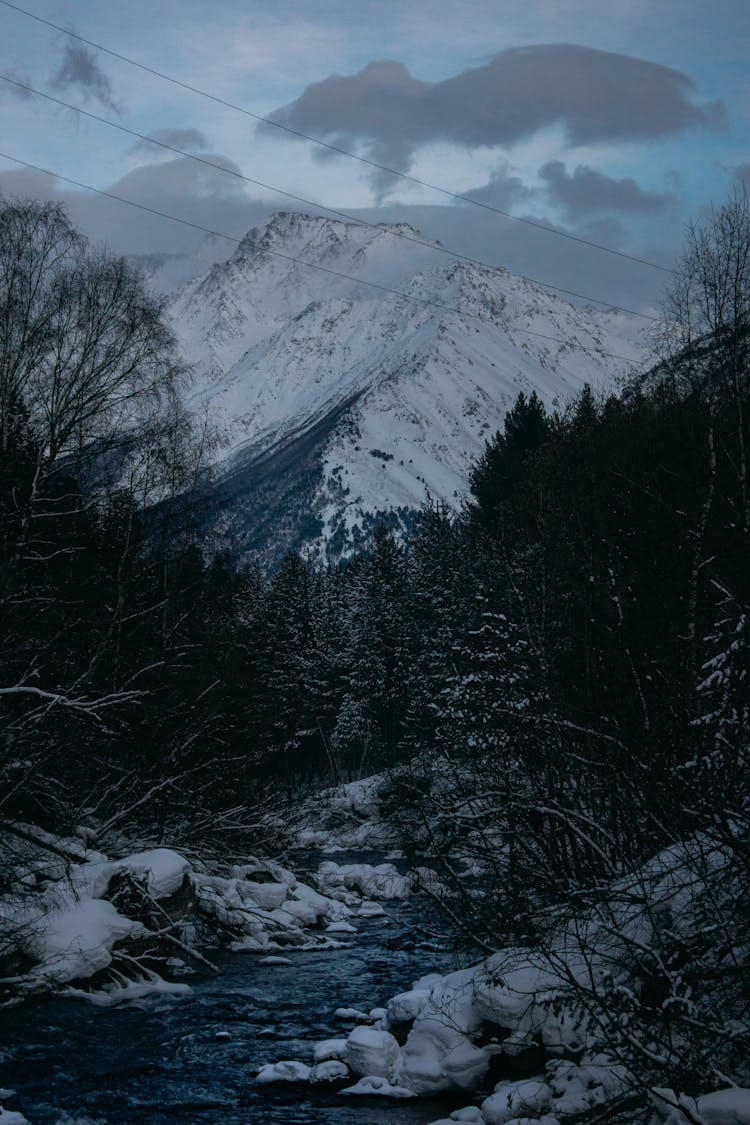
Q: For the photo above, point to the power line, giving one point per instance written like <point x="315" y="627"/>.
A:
<point x="423" y="301"/>
<point x="310" y="202"/>
<point x="336" y="148"/>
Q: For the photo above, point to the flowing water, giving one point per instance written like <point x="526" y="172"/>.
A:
<point x="168" y="1061"/>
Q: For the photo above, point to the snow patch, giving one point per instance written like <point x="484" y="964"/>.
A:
<point x="374" y="1085"/>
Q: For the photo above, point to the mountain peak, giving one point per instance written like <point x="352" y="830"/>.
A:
<point x="369" y="400"/>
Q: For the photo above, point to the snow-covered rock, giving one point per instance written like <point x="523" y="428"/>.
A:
<point x="371" y="910"/>
<point x="330" y="1049"/>
<point x="291" y="909"/>
<point x="374" y="1085"/>
<point x="330" y="1070"/>
<point x="470" y="1115"/>
<point x="725" y="1107"/>
<point x="372" y="1052"/>
<point x="268" y="896"/>
<point x="11" y="1117"/>
<point x="579" y="1087"/>
<point x="288" y="1070"/>
<point x="381" y="881"/>
<point x="163" y="870"/>
<point x="75" y="943"/>
<point x="526" y="1098"/>
<point x="351" y="1015"/>
<point x="405" y="1007"/>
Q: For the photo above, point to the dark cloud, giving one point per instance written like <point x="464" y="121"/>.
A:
<point x="586" y="192"/>
<point x="742" y="175"/>
<point x="192" y="140"/>
<point x="595" y="95"/>
<point x="608" y="231"/>
<point x="502" y="190"/>
<point x="80" y="69"/>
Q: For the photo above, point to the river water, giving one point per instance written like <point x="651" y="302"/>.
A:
<point x="168" y="1060"/>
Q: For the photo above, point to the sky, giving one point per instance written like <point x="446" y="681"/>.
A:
<point x="615" y="121"/>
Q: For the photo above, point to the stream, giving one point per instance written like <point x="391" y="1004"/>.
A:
<point x="169" y="1060"/>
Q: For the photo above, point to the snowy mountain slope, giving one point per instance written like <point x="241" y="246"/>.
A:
<point x="399" y="390"/>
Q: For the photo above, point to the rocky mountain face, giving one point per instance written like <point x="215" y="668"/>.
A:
<point x="339" y="404"/>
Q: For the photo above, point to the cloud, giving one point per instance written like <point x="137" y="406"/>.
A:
<point x="181" y="179"/>
<point x="191" y="139"/>
<point x="596" y="96"/>
<point x="179" y="187"/>
<point x="587" y="192"/>
<point x="18" y="91"/>
<point x="544" y="256"/>
<point x="502" y="190"/>
<point x="79" y="68"/>
<point x="182" y="189"/>
<point x="24" y="183"/>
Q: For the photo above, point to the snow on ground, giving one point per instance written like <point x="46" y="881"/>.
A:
<point x="382" y="881"/>
<point x="345" y="818"/>
<point x="349" y="818"/>
<point x="74" y="943"/>
<point x="722" y="1107"/>
<point x="8" y="1117"/>
<point x="79" y="919"/>
<point x="520" y="1009"/>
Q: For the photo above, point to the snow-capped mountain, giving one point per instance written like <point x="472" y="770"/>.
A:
<point x="337" y="401"/>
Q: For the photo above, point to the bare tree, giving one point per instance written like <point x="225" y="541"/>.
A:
<point x="703" y="344"/>
<point x="84" y="346"/>
<point x="89" y="406"/>
<point x="709" y="299"/>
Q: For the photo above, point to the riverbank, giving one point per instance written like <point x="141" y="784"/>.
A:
<point x="161" y="1060"/>
<point x="340" y="1001"/>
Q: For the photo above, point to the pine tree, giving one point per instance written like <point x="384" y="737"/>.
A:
<point x="502" y="470"/>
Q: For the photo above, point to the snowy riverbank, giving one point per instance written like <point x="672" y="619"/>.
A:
<point x="519" y="1035"/>
<point x="526" y="1032"/>
<point x="162" y="1059"/>
<point x="79" y="922"/>
<point x="134" y="929"/>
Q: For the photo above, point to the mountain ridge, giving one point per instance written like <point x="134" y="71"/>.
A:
<point x="412" y="382"/>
